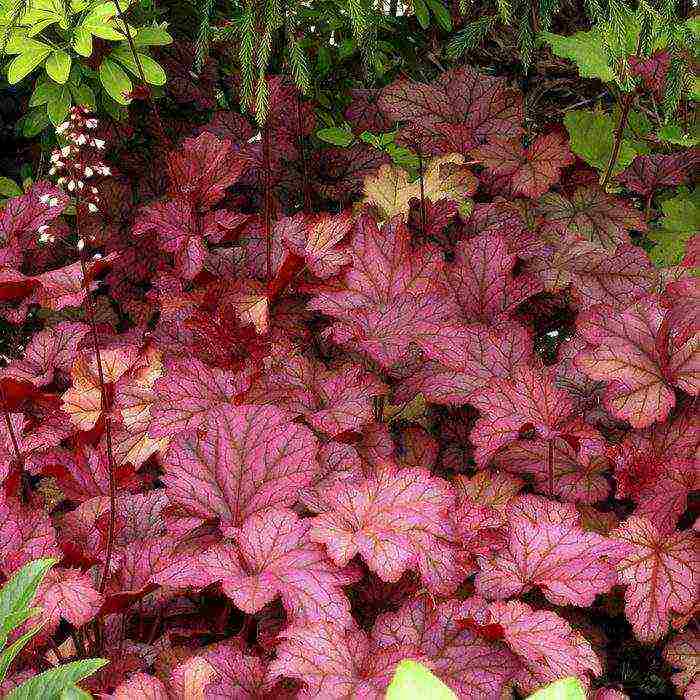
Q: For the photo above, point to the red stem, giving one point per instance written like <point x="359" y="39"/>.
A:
<point x="267" y="204"/>
<point x="104" y="406"/>
<point x="13" y="438"/>
<point x="302" y="150"/>
<point x="422" y="195"/>
<point x="550" y="466"/>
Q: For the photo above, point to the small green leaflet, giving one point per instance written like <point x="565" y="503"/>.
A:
<point x="336" y="136"/>
<point x="680" y="222"/>
<point x="565" y="689"/>
<point x="413" y="681"/>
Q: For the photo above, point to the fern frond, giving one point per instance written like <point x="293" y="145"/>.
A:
<point x="677" y="83"/>
<point x="201" y="47"/>
<point x="526" y="40"/>
<point x="298" y="62"/>
<point x="547" y="10"/>
<point x="470" y="36"/>
<point x="245" y="54"/>
<point x="505" y="10"/>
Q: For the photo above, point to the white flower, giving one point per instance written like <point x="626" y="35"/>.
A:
<point x="53" y="202"/>
<point x="92" y="207"/>
<point x="81" y="139"/>
<point x="93" y="190"/>
<point x="65" y="151"/>
<point x="52" y="170"/>
<point x="89" y="172"/>
<point x="104" y="170"/>
<point x="81" y="244"/>
<point x="62" y="127"/>
<point x="98" y="143"/>
<point x="42" y="228"/>
<point x="55" y="156"/>
<point x="81" y="184"/>
<point x="44" y="238"/>
<point x="71" y="185"/>
<point x="60" y="180"/>
<point x="91" y="123"/>
<point x="45" y="199"/>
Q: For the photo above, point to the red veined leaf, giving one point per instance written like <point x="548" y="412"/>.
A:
<point x="683" y="652"/>
<point x="661" y="574"/>
<point x="634" y="352"/>
<point x="469" y="664"/>
<point x="592" y="214"/>
<point x="547" y="548"/>
<point x="530" y="171"/>
<point x="647" y="174"/>
<point x="248" y="459"/>
<point x="395" y="520"/>
<point x="461" y="109"/>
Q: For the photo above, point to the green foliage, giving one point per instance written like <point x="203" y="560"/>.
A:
<point x="564" y="689"/>
<point x="58" y="37"/>
<point x="52" y="684"/>
<point x="413" y="681"/>
<point x="680" y="222"/>
<point x="585" y="49"/>
<point x="592" y="136"/>
<point x="15" y="609"/>
<point x="336" y="136"/>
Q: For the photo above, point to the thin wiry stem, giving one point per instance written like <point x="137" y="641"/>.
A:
<point x="267" y="204"/>
<point x="422" y="196"/>
<point x="19" y="460"/>
<point x="104" y="407"/>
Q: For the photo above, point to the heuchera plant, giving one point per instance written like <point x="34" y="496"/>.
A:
<point x="284" y="424"/>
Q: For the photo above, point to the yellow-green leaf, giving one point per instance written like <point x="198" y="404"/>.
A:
<point x="58" y="108"/>
<point x="152" y="71"/>
<point x="23" y="64"/>
<point x="58" y="66"/>
<point x="82" y="42"/>
<point x="413" y="681"/>
<point x="115" y="81"/>
<point x="564" y="689"/>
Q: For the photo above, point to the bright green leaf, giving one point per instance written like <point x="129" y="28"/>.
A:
<point x="152" y="36"/>
<point x="564" y="689"/>
<point x="153" y="72"/>
<point x="421" y="10"/>
<point x="586" y="50"/>
<point x="58" y="109"/>
<point x="413" y="681"/>
<point x="115" y="81"/>
<point x="50" y="684"/>
<point x="9" y="654"/>
<point x="75" y="693"/>
<point x="23" y="64"/>
<point x="680" y="222"/>
<point x="673" y="133"/>
<point x="9" y="188"/>
<point x="591" y="137"/>
<point x="17" y="594"/>
<point x="58" y="66"/>
<point x="44" y="92"/>
<point x="82" y="42"/>
<point x="336" y="136"/>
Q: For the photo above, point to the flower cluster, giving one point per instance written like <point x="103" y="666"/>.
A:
<point x="79" y="160"/>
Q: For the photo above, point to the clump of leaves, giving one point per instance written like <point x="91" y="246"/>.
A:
<point x="284" y="424"/>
